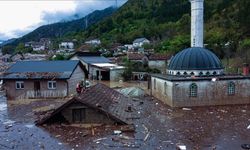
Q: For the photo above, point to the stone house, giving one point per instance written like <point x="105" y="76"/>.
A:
<point x="66" y="46"/>
<point x="158" y="61"/>
<point x="97" y="105"/>
<point x="140" y="42"/>
<point x="98" y="67"/>
<point x="42" y="79"/>
<point x="93" y="42"/>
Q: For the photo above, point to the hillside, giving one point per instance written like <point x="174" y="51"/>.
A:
<point x="61" y="29"/>
<point x="167" y="24"/>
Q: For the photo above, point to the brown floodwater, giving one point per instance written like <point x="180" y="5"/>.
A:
<point x="157" y="127"/>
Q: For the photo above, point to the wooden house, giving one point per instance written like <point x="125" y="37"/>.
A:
<point x="42" y="79"/>
<point x="99" y="104"/>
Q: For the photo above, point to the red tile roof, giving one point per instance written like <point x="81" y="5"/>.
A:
<point x="135" y="56"/>
<point x="159" y="57"/>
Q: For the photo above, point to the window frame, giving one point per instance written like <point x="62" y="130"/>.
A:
<point x="165" y="88"/>
<point x="53" y="85"/>
<point x="193" y="90"/>
<point x="154" y="84"/>
<point x="231" y="89"/>
<point x="19" y="85"/>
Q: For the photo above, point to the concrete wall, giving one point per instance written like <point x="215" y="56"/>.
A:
<point x="77" y="76"/>
<point x="92" y="116"/>
<point x="208" y="93"/>
<point x="13" y="93"/>
<point x="158" y="90"/>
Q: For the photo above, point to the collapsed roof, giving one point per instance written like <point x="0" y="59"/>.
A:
<point x="102" y="98"/>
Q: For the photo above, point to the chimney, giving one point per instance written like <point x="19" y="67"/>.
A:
<point x="197" y="21"/>
<point x="246" y="69"/>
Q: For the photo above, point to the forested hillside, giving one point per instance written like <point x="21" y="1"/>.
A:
<point x="167" y="23"/>
<point x="65" y="29"/>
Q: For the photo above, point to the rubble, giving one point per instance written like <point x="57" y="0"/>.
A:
<point x="132" y="92"/>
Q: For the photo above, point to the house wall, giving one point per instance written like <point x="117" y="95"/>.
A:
<point x="208" y="93"/>
<point x="77" y="76"/>
<point x="84" y="64"/>
<point x="12" y="93"/>
<point x="158" y="64"/>
<point x="92" y="116"/>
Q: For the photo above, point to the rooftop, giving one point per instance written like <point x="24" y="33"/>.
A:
<point x="41" y="70"/>
<point x="195" y="58"/>
<point x="94" y="59"/>
<point x="197" y="78"/>
<point x="139" y="40"/>
<point x="104" y="99"/>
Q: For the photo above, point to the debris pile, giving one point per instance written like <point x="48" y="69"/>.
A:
<point x="132" y="92"/>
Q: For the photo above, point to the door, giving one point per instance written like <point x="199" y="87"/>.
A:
<point x="78" y="115"/>
<point x="37" y="89"/>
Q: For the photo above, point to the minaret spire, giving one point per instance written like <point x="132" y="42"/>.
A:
<point x="197" y="23"/>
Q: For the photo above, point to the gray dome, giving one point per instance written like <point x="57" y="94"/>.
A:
<point x="195" y="58"/>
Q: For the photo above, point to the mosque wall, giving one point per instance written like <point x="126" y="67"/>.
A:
<point x="208" y="92"/>
<point x="162" y="90"/>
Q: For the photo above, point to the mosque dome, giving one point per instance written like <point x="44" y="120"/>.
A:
<point x="195" y="61"/>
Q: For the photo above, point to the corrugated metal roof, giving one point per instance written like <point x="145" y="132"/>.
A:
<point x="94" y="59"/>
<point x="41" y="70"/>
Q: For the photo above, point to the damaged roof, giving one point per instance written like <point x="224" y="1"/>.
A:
<point x="102" y="98"/>
<point x="41" y="70"/>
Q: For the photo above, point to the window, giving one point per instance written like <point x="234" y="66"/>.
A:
<point x="192" y="73"/>
<point x="178" y="73"/>
<point x="201" y="73"/>
<point x="19" y="85"/>
<point x="208" y="73"/>
<point x="78" y="115"/>
<point x="214" y="73"/>
<point x="193" y="90"/>
<point x="185" y="73"/>
<point x="231" y="88"/>
<point x="52" y="85"/>
<point x="165" y="88"/>
<point x="154" y="84"/>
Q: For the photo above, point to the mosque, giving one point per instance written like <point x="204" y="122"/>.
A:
<point x="195" y="76"/>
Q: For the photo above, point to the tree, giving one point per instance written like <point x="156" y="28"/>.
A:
<point x="8" y="49"/>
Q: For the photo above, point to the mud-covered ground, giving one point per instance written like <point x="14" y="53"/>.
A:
<point x="158" y="127"/>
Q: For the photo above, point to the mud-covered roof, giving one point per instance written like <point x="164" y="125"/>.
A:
<point x="41" y="70"/>
<point x="103" y="98"/>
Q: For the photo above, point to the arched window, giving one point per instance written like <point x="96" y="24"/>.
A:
<point x="208" y="73"/>
<point x="201" y="73"/>
<point x="185" y="73"/>
<point x="193" y="90"/>
<point x="192" y="73"/>
<point x="155" y="84"/>
<point x="231" y="88"/>
<point x="165" y="88"/>
<point x="178" y="73"/>
<point x="214" y="73"/>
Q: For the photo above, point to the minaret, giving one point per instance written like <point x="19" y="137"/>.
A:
<point x="197" y="21"/>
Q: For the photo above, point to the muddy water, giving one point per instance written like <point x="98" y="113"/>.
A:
<point x="158" y="127"/>
<point x="17" y="130"/>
